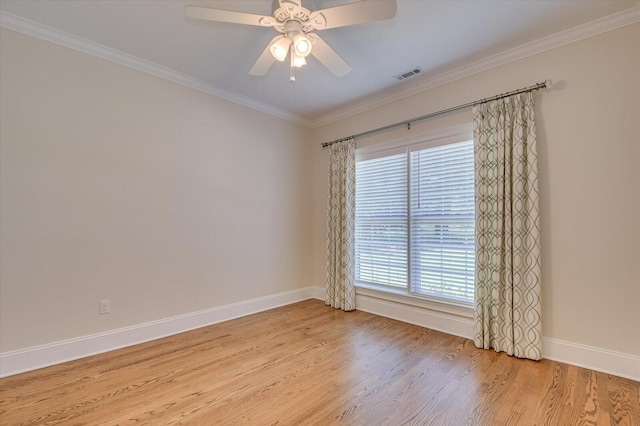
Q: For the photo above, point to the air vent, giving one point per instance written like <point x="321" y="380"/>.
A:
<point x="408" y="74"/>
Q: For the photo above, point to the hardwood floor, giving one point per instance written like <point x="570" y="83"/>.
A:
<point x="308" y="364"/>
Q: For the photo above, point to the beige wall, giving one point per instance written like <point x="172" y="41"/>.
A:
<point x="589" y="164"/>
<point x="119" y="185"/>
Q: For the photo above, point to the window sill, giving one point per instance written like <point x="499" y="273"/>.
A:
<point x="400" y="296"/>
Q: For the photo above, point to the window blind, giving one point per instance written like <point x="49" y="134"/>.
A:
<point x="442" y="259"/>
<point x="382" y="221"/>
<point x="415" y="221"/>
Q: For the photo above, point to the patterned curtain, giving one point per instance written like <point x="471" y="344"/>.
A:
<point x="341" y="207"/>
<point x="508" y="289"/>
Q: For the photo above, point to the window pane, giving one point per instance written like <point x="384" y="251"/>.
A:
<point x="381" y="221"/>
<point x="443" y="222"/>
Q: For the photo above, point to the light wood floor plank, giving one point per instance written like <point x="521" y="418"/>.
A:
<point x="310" y="364"/>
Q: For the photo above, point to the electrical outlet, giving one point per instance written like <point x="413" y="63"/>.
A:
<point x="105" y="306"/>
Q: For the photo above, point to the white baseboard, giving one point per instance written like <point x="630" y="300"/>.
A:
<point x="449" y="320"/>
<point x="28" y="359"/>
<point x="604" y="360"/>
<point x="455" y="321"/>
<point x="318" y="293"/>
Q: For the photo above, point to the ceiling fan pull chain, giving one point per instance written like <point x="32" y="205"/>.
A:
<point x="292" y="77"/>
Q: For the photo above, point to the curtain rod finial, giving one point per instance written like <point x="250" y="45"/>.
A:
<point x="548" y="84"/>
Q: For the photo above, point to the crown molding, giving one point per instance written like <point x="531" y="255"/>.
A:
<point x="34" y="29"/>
<point x="431" y="81"/>
<point x="428" y="82"/>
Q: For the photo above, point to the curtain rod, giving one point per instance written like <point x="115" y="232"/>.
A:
<point x="544" y="85"/>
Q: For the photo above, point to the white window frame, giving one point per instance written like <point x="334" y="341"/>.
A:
<point x="420" y="141"/>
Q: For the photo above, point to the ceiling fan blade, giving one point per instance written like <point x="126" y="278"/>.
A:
<point x="353" y="14"/>
<point x="328" y="57"/>
<point x="219" y="15"/>
<point x="264" y="62"/>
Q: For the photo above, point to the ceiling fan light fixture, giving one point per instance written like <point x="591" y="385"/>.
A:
<point x="302" y="45"/>
<point x="280" y="47"/>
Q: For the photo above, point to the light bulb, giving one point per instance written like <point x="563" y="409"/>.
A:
<point x="302" y="45"/>
<point x="299" y="61"/>
<point x="279" y="47"/>
<point x="280" y="53"/>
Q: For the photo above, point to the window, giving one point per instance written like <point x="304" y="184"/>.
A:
<point x="415" y="221"/>
<point x="381" y="221"/>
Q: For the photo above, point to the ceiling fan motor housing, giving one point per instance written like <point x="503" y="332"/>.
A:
<point x="285" y="11"/>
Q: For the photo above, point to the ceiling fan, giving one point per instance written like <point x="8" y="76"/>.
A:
<point x="296" y="23"/>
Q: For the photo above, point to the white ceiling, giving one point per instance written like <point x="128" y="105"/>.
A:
<point x="439" y="36"/>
